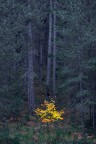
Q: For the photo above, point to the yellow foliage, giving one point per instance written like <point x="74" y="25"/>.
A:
<point x="48" y="112"/>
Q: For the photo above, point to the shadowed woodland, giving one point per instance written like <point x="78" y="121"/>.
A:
<point x="47" y="58"/>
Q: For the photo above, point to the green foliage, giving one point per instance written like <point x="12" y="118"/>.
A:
<point x="76" y="53"/>
<point x="5" y="136"/>
<point x="75" y="57"/>
<point x="32" y="135"/>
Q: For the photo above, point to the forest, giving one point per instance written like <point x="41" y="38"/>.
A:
<point x="47" y="71"/>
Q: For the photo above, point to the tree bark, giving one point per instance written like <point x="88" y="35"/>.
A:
<point x="31" y="97"/>
<point x="93" y="110"/>
<point x="40" y="65"/>
<point x="54" y="51"/>
<point x="49" y="53"/>
<point x="81" y="89"/>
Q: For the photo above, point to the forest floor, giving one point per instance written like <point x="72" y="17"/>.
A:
<point x="32" y="131"/>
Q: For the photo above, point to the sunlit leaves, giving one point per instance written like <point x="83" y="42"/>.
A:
<point x="48" y="112"/>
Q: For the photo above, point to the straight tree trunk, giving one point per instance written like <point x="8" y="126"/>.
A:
<point x="93" y="116"/>
<point x="31" y="96"/>
<point x="41" y="65"/>
<point x="54" y="51"/>
<point x="81" y="89"/>
<point x="25" y="76"/>
<point x="93" y="87"/>
<point x="95" y="113"/>
<point x="90" y="111"/>
<point x="49" y="53"/>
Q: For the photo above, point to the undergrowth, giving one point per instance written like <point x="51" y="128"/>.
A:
<point x="41" y="134"/>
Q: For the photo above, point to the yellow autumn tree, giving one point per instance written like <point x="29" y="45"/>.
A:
<point x="48" y="112"/>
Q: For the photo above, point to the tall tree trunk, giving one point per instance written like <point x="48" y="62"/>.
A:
<point x="95" y="113"/>
<point x="49" y="53"/>
<point x="93" y="110"/>
<point x="31" y="96"/>
<point x="54" y="51"/>
<point x="81" y="89"/>
<point x="25" y="76"/>
<point x="40" y="65"/>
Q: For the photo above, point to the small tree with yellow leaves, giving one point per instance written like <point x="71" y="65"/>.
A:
<point x="48" y="112"/>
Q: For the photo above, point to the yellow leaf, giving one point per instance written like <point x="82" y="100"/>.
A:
<point x="48" y="112"/>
